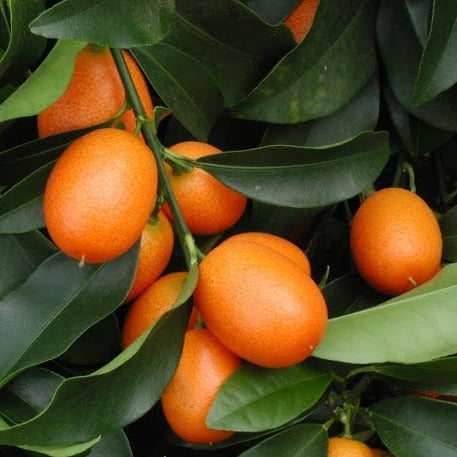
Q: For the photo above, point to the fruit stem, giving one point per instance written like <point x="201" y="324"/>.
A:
<point x="185" y="237"/>
<point x="406" y="167"/>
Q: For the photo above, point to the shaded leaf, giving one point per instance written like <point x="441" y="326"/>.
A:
<point x="378" y="334"/>
<point x="131" y="23"/>
<point x="185" y="86"/>
<point x="415" y="426"/>
<point x="45" y="85"/>
<point x="448" y="225"/>
<point x="255" y="399"/>
<point x="438" y="67"/>
<point x="359" y="115"/>
<point x="302" y="440"/>
<point x="323" y="72"/>
<point x="302" y="177"/>
<point x="59" y="301"/>
<point x="114" y="444"/>
<point x="419" y="12"/>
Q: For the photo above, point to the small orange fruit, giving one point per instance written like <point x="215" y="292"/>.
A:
<point x="204" y="366"/>
<point x="278" y="244"/>
<point x="94" y="95"/>
<point x="149" y="307"/>
<point x="208" y="206"/>
<point x="100" y="195"/>
<point x="301" y="18"/>
<point x="379" y="452"/>
<point x="260" y="304"/>
<point x="155" y="251"/>
<point x="395" y="241"/>
<point x="345" y="447"/>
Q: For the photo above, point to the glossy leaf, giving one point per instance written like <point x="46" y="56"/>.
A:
<point x="359" y="115"/>
<point x="21" y="207"/>
<point x="114" y="444"/>
<point x="131" y="23"/>
<point x="38" y="319"/>
<point x="19" y="256"/>
<point x="24" y="49"/>
<point x="185" y="86"/>
<point x="45" y="85"/>
<point x="438" y="67"/>
<point x="272" y="12"/>
<point x="302" y="440"/>
<point x="255" y="399"/>
<point x="379" y="334"/>
<point x="323" y="73"/>
<point x="237" y="56"/>
<point x="302" y="177"/>
<point x="415" y="426"/>
<point x="448" y="225"/>
<point x="401" y="60"/>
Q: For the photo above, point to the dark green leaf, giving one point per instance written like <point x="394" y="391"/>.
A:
<point x="19" y="256"/>
<point x="21" y="207"/>
<point x="420" y="12"/>
<point x="302" y="177"/>
<point x="448" y="225"/>
<point x="185" y="86"/>
<point x="414" y="327"/>
<point x="56" y="304"/>
<point x="401" y="58"/>
<point x="272" y="12"/>
<point x="360" y="114"/>
<point x="415" y="426"/>
<point x="114" y="444"/>
<point x="235" y="45"/>
<point x="45" y="85"/>
<point x="130" y="23"/>
<point x="24" y="49"/>
<point x="438" y="67"/>
<point x="254" y="399"/>
<point x="302" y="440"/>
<point x="323" y="72"/>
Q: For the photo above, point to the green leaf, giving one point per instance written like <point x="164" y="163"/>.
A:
<point x="302" y="177"/>
<point x="302" y="440"/>
<point x="401" y="51"/>
<point x="45" y="85"/>
<point x="448" y="225"/>
<point x="236" y="55"/>
<point x="415" y="426"/>
<point x="66" y="300"/>
<point x="435" y="371"/>
<point x="131" y="23"/>
<point x="20" y="255"/>
<point x="359" y="115"/>
<point x="419" y="12"/>
<point x="185" y="86"/>
<point x="114" y="444"/>
<point x="414" y="327"/>
<point x="21" y="207"/>
<point x="272" y="12"/>
<point x="24" y="49"/>
<point x="254" y="399"/>
<point x="438" y="67"/>
<point x="321" y="74"/>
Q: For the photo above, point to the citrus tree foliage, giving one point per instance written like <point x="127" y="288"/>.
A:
<point x="308" y="129"/>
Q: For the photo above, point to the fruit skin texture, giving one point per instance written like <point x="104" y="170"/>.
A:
<point x="278" y="244"/>
<point x="208" y="206"/>
<point x="94" y="95"/>
<point x="395" y="241"/>
<point x="260" y="304"/>
<point x="344" y="447"/>
<point x="100" y="195"/>
<point x="204" y="366"/>
<point x="301" y="18"/>
<point x="149" y="307"/>
<point x="156" y="247"/>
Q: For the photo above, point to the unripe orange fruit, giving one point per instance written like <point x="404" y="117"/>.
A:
<point x="345" y="447"/>
<point x="94" y="95"/>
<point x="207" y="206"/>
<point x="395" y="241"/>
<point x="100" y="195"/>
<point x="204" y="366"/>
<point x="156" y="247"/>
<point x="150" y="306"/>
<point x="301" y="18"/>
<point x="260" y="304"/>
